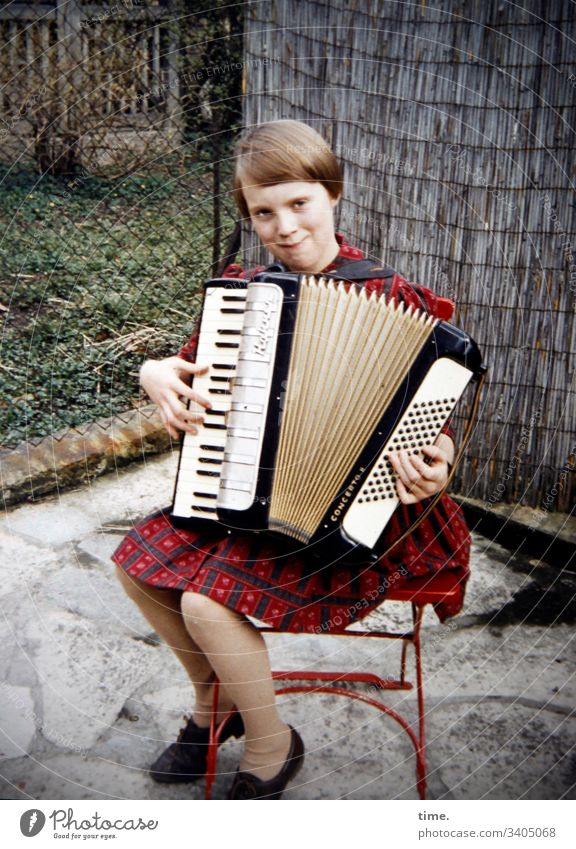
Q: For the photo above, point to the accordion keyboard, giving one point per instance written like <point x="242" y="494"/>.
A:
<point x="202" y="453"/>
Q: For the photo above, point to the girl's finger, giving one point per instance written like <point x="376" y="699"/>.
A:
<point x="182" y="389"/>
<point x="181" y="417"/>
<point x="429" y="473"/>
<point x="191" y="368"/>
<point x="405" y="496"/>
<point x="410" y="474"/>
<point x="435" y="453"/>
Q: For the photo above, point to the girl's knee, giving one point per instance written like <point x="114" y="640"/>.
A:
<point x="200" y="610"/>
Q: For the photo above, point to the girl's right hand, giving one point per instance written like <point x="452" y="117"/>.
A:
<point x="164" y="382"/>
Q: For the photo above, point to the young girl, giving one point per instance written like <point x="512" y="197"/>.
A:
<point x="197" y="589"/>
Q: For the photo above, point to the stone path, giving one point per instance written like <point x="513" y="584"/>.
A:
<point x="88" y="696"/>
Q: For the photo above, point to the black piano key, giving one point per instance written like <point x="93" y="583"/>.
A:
<point x="226" y="345"/>
<point x="231" y="366"/>
<point x="218" y="379"/>
<point x="215" y="412"/>
<point x="200" y="509"/>
<point x="228" y="332"/>
<point x="231" y="310"/>
<point x="215" y="426"/>
<point x="212" y="447"/>
<point x="207" y="474"/>
<point x="220" y="392"/>
<point x="216" y="461"/>
<point x="239" y="298"/>
<point x="205" y="495"/>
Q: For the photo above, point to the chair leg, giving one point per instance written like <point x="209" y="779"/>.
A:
<point x="417" y="613"/>
<point x="212" y="744"/>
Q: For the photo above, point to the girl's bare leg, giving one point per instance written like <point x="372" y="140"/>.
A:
<point x="236" y="650"/>
<point x="162" y="609"/>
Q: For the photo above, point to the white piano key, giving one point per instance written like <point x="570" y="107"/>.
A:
<point x="210" y="352"/>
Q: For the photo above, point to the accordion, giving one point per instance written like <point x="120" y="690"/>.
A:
<point x="313" y="382"/>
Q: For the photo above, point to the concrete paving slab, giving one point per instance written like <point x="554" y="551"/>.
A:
<point x="7" y="641"/>
<point x="527" y="663"/>
<point x="75" y="513"/>
<point x="131" y="493"/>
<point x="86" y="672"/>
<point x="503" y="751"/>
<point x="17" y="728"/>
<point x="70" y="777"/>
<point x="24" y="562"/>
<point x="95" y="551"/>
<point x="52" y="524"/>
<point x="93" y="595"/>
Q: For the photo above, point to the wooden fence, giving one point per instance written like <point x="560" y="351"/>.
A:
<point x="455" y="123"/>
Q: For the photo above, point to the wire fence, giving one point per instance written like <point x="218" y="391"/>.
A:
<point x="115" y="125"/>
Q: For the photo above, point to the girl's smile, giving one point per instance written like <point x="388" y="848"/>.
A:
<point x="295" y="221"/>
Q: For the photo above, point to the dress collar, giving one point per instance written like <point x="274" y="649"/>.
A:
<point x="345" y="254"/>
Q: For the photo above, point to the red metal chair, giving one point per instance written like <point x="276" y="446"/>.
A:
<point x="419" y="592"/>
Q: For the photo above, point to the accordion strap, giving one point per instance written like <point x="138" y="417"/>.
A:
<point x="358" y="270"/>
<point x="362" y="269"/>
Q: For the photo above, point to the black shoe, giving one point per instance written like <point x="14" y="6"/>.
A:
<point x="185" y="760"/>
<point x="248" y="786"/>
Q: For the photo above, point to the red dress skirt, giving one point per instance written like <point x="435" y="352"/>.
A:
<point x="253" y="575"/>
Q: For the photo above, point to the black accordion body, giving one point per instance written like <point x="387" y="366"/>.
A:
<point x="313" y="382"/>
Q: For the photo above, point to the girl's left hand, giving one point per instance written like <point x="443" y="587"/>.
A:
<point x="416" y="479"/>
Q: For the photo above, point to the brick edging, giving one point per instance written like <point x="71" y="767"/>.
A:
<point x="76" y="455"/>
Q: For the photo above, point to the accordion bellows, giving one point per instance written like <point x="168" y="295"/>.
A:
<point x="350" y="353"/>
<point x="313" y="382"/>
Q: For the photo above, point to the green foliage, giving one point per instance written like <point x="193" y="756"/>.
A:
<point x="210" y="68"/>
<point x="94" y="277"/>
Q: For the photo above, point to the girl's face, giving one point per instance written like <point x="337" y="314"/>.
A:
<point x="295" y="221"/>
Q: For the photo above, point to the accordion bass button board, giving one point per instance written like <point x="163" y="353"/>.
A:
<point x="313" y="383"/>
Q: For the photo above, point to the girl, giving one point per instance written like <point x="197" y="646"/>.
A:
<point x="197" y="589"/>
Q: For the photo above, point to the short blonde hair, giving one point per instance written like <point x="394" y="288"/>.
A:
<point x="283" y="151"/>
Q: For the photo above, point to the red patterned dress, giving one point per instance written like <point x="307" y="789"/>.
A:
<point x="252" y="575"/>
